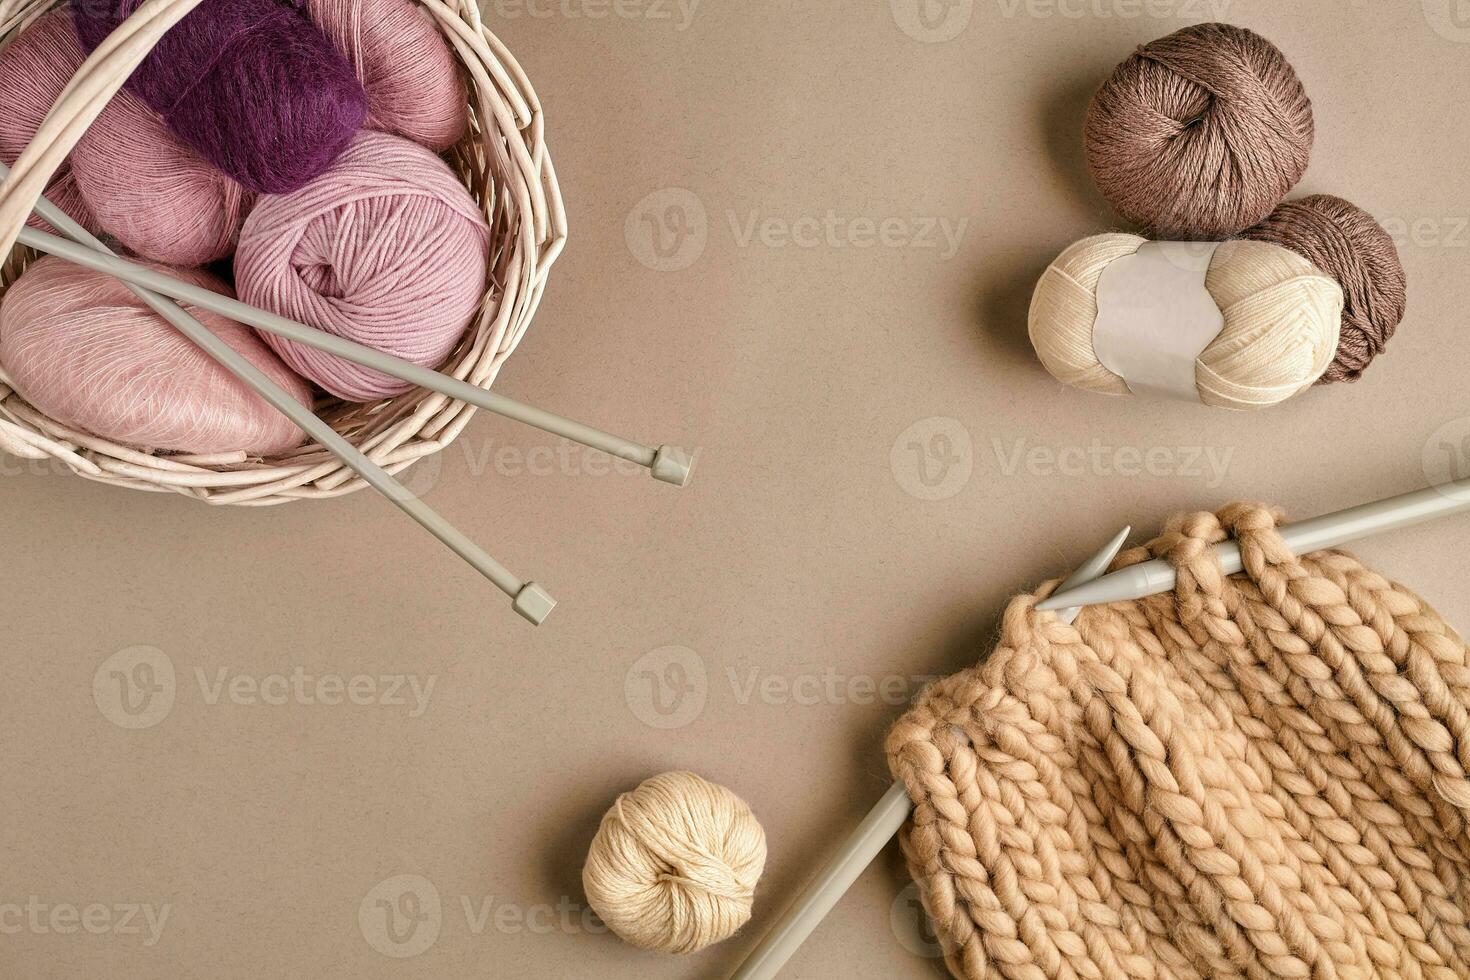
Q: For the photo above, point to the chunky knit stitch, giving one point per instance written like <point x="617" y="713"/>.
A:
<point x="1261" y="775"/>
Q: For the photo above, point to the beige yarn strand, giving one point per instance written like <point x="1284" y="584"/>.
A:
<point x="1258" y="776"/>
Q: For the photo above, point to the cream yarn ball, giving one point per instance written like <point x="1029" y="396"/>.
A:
<point x="1282" y="320"/>
<point x="674" y="865"/>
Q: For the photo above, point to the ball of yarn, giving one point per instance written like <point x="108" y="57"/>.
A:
<point x="34" y="67"/>
<point x="1344" y="241"/>
<point x="86" y="352"/>
<point x="414" y="86"/>
<point x="1199" y="134"/>
<point x="674" y="865"/>
<point x="252" y="85"/>
<point x="1281" y="321"/>
<point x="387" y="249"/>
<point x="153" y="192"/>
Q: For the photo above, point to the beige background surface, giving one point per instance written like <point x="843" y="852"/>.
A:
<point x="804" y="565"/>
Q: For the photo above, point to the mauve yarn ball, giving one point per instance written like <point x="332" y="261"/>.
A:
<point x="85" y="351"/>
<point x="387" y="248"/>
<point x="1344" y="241"/>
<point x="414" y="85"/>
<point x="34" y="67"/>
<point x="155" y="193"/>
<point x="1199" y="134"/>
<point x="252" y="85"/>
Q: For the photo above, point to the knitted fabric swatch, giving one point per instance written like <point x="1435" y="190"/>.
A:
<point x="1261" y="775"/>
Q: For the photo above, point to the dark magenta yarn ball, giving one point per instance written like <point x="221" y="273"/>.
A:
<point x="253" y="85"/>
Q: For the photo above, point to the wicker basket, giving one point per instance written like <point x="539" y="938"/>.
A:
<point x="503" y="161"/>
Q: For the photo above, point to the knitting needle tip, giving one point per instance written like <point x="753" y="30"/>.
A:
<point x="1063" y="600"/>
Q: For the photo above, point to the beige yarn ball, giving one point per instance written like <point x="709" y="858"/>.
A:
<point x="1282" y="320"/>
<point x="674" y="865"/>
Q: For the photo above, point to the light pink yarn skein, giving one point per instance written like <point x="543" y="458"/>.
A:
<point x="414" y="86"/>
<point x="387" y="248"/>
<point x="85" y="351"/>
<point x="153" y="192"/>
<point x="34" y="67"/>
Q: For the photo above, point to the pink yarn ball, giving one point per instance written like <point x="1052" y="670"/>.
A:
<point x="387" y="248"/>
<point x="414" y="85"/>
<point x="85" y="351"/>
<point x="34" y="68"/>
<point x="153" y="192"/>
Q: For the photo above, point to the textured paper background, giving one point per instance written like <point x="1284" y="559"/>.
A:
<point x="882" y="464"/>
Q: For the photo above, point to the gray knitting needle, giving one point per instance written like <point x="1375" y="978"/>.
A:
<point x="667" y="463"/>
<point x="876" y="830"/>
<point x="1327" y="531"/>
<point x="529" y="599"/>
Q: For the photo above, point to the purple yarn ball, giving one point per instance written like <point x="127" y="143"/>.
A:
<point x="252" y="85"/>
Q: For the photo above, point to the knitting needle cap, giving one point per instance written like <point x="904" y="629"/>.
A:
<point x="534" y="603"/>
<point x="672" y="465"/>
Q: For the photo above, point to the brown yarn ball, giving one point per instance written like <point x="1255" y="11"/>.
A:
<point x="1345" y="242"/>
<point x="1199" y="134"/>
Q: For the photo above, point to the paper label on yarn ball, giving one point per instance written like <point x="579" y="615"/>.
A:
<point x="1155" y="317"/>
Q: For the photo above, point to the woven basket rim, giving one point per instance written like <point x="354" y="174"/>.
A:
<point x="504" y="162"/>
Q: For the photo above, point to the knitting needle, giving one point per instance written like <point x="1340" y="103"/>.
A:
<point x="876" y="830"/>
<point x="529" y="599"/>
<point x="669" y="464"/>
<point x="1327" y="531"/>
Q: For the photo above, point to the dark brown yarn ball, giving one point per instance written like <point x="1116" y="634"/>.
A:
<point x="1345" y="242"/>
<point x="1199" y="134"/>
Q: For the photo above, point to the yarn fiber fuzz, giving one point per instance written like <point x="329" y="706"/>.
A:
<point x="82" y="349"/>
<point x="414" y="86"/>
<point x="34" y="68"/>
<point x="674" y="865"/>
<point x="387" y="249"/>
<point x="1199" y="134"/>
<point x="1260" y="775"/>
<point x="252" y="85"/>
<point x="153" y="192"/>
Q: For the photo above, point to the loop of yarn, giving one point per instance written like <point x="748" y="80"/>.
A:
<point x="387" y="249"/>
<point x="1259" y="775"/>
<point x="252" y="85"/>
<point x="81" y="348"/>
<point x="674" y="865"/>
<point x="1282" y="320"/>
<point x="34" y="68"/>
<point x="153" y="192"/>
<point x="1347" y="243"/>
<point x="415" y="88"/>
<point x="1199" y="134"/>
